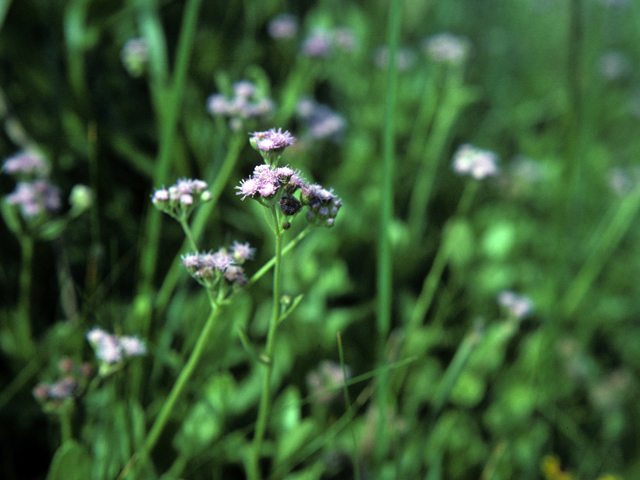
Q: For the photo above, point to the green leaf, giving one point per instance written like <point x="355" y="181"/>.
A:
<point x="292" y="441"/>
<point x="70" y="462"/>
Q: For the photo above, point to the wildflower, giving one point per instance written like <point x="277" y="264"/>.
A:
<point x="613" y="66"/>
<point x="178" y="199"/>
<point x="283" y="27"/>
<point x="446" y="48"/>
<point x="113" y="349"/>
<point x="321" y="122"/>
<point x="35" y="197"/>
<point x="208" y="267"/>
<point x="135" y="56"/>
<point x="63" y="388"/>
<point x="271" y="143"/>
<point x="405" y="58"/>
<point x="323" y="204"/>
<point x="344" y="39"/>
<point x="246" y="104"/>
<point x="26" y="163"/>
<point x="325" y="382"/>
<point x="518" y="306"/>
<point x="242" y="251"/>
<point x="475" y="162"/>
<point x="317" y="44"/>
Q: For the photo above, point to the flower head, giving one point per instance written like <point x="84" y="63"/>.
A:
<point x="179" y="199"/>
<point x="26" y="163"/>
<point x="518" y="306"/>
<point x="475" y="162"/>
<point x="283" y="27"/>
<point x="113" y="349"/>
<point x="247" y="103"/>
<point x="135" y="56"/>
<point x="446" y="48"/>
<point x="207" y="268"/>
<point x="35" y="197"/>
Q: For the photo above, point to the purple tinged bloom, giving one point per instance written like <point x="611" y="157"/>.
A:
<point x="446" y="48"/>
<point x="217" y="104"/>
<point x="475" y="162"/>
<point x="317" y="44"/>
<point x="109" y="350"/>
<point x="135" y="55"/>
<point x="273" y="140"/>
<point x="27" y="163"/>
<point x="242" y="251"/>
<point x="321" y="122"/>
<point x="344" y="39"/>
<point x="518" y="306"/>
<point x="63" y="388"/>
<point x="35" y="197"/>
<point x="247" y="188"/>
<point x="112" y="349"/>
<point x="282" y="27"/>
<point x="132" y="346"/>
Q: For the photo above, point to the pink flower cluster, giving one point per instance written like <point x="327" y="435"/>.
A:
<point x="247" y="103"/>
<point x="208" y="267"/>
<point x="475" y="162"/>
<point x="446" y="48"/>
<point x="74" y="377"/>
<point x="272" y="184"/>
<point x="181" y="197"/>
<point x="113" y="349"/>
<point x="518" y="306"/>
<point x="266" y="182"/>
<point x="37" y="195"/>
<point x="321" y="122"/>
<point x="26" y="163"/>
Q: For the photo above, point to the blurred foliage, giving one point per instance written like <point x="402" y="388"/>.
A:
<point x="552" y="87"/>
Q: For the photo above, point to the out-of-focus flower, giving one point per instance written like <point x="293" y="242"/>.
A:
<point x="325" y="383"/>
<point x="81" y="197"/>
<point x="207" y="268"/>
<point x="135" y="56"/>
<point x="446" y="48"/>
<point x="518" y="306"/>
<point x="552" y="469"/>
<point x="246" y="104"/>
<point x="344" y="39"/>
<point x="26" y="163"/>
<point x="318" y="44"/>
<point x="614" y="66"/>
<point x="405" y="58"/>
<point x="35" y="197"/>
<point x="475" y="162"/>
<point x="113" y="349"/>
<point x="242" y="252"/>
<point x="608" y="393"/>
<point x="282" y="27"/>
<point x="320" y="121"/>
<point x="178" y="200"/>
<point x="323" y="205"/>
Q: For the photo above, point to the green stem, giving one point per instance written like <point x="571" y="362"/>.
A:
<point x="611" y="237"/>
<point x="200" y="219"/>
<point x="168" y="131"/>
<point x="429" y="288"/>
<point x="187" y="232"/>
<point x="456" y="367"/>
<point x="385" y="268"/>
<point x="65" y="424"/>
<point x="265" y="399"/>
<point x="24" y="340"/>
<point x="178" y="387"/>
